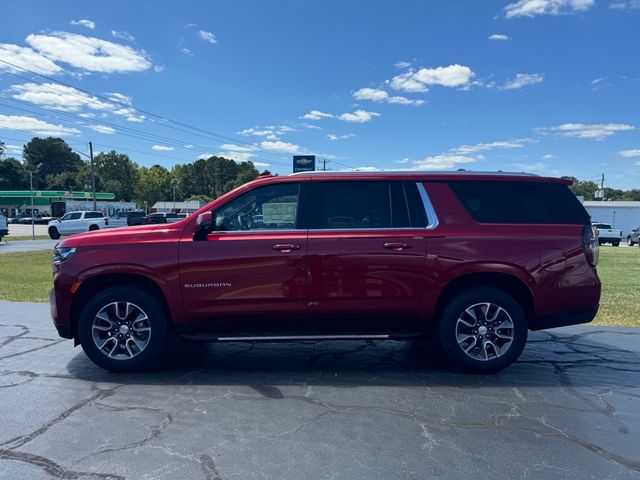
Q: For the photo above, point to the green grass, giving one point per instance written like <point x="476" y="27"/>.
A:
<point x="26" y="277"/>
<point x="619" y="271"/>
<point x="9" y="238"/>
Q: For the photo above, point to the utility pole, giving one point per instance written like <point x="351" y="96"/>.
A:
<point x="324" y="164"/>
<point x="93" y="177"/>
<point x="173" y="183"/>
<point x="33" y="227"/>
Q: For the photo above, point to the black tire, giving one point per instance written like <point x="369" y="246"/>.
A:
<point x="455" y="310"/>
<point x="630" y="242"/>
<point x="159" y="336"/>
<point x="54" y="234"/>
<point x="616" y="244"/>
<point x="93" y="227"/>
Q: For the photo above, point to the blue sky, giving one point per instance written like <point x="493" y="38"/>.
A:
<point x="546" y="86"/>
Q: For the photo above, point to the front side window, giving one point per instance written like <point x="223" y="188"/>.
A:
<point x="72" y="216"/>
<point x="355" y="205"/>
<point x="272" y="207"/>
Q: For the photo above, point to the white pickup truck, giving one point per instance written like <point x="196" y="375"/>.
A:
<point x="76" y="222"/>
<point x="606" y="234"/>
<point x="4" y="229"/>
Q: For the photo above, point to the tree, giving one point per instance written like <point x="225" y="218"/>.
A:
<point x="584" y="188"/>
<point x="50" y="156"/>
<point x="12" y="175"/>
<point x="117" y="173"/>
<point x="154" y="185"/>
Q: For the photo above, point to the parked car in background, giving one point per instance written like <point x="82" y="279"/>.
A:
<point x="606" y="234"/>
<point x="16" y="219"/>
<point x="474" y="259"/>
<point x="4" y="227"/>
<point x="127" y="219"/>
<point x="634" y="237"/>
<point x="77" y="222"/>
<point x="38" y="219"/>
<point x="162" y="217"/>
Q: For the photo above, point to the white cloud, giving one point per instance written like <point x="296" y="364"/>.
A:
<point x="103" y="129"/>
<point x="597" y="131"/>
<point x="261" y="164"/>
<point x="162" y="148"/>
<point x="159" y="68"/>
<point x="402" y="64"/>
<point x="531" y="167"/>
<point x="630" y="153"/>
<point x="12" y="149"/>
<point x="378" y="95"/>
<point x="24" y="57"/>
<point x="522" y="80"/>
<point x="238" y="148"/>
<point x="548" y="156"/>
<point x="187" y="52"/>
<point x="531" y="8"/>
<point x="442" y="162"/>
<point x="450" y="76"/>
<point x="123" y="36"/>
<point x="89" y="53"/>
<point x="625" y="5"/>
<point x="313" y="127"/>
<point x="59" y="97"/>
<point x="481" y="147"/>
<point x="279" y="146"/>
<point x="316" y="115"/>
<point x="334" y="137"/>
<point x="119" y="98"/>
<point x="402" y="162"/>
<point x="34" y="125"/>
<point x="207" y="36"/>
<point x="359" y="116"/>
<point x="85" y="23"/>
<point x="499" y="37"/>
<point x="270" y="132"/>
<point x="236" y="155"/>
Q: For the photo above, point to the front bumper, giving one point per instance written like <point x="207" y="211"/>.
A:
<point x="64" y="329"/>
<point x="4" y="232"/>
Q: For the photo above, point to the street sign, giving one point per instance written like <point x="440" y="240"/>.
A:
<point x="304" y="163"/>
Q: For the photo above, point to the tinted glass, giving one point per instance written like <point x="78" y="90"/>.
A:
<point x="354" y="205"/>
<point x="73" y="216"/>
<point x="604" y="226"/>
<point x="92" y="215"/>
<point x="273" y="207"/>
<point x="520" y="202"/>
<point x="136" y="214"/>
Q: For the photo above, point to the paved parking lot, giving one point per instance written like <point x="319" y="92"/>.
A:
<point x="356" y="410"/>
<point x="26" y="245"/>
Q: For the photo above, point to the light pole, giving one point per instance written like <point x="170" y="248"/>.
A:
<point x="33" y="225"/>
<point x="173" y="184"/>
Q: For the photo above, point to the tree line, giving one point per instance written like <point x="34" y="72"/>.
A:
<point x="588" y="189"/>
<point x="56" y="166"/>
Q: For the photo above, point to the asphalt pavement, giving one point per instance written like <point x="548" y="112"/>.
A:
<point x="569" y="409"/>
<point x="7" y="246"/>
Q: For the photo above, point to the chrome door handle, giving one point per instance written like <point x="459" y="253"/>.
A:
<point x="286" y="247"/>
<point x="398" y="246"/>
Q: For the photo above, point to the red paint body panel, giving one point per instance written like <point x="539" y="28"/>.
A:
<point x="334" y="281"/>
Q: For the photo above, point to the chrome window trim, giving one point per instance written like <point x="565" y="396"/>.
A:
<point x="432" y="218"/>
<point x="311" y="230"/>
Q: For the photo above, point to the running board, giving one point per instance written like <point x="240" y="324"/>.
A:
<point x="277" y="338"/>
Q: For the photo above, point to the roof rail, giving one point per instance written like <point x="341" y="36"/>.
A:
<point x="413" y="172"/>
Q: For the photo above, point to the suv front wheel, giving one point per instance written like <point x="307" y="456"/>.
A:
<point x="483" y="330"/>
<point x="124" y="329"/>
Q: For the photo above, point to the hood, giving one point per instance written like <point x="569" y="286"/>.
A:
<point x="112" y="236"/>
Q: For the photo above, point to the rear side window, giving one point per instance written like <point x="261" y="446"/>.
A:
<point x="354" y="205"/>
<point x="520" y="202"/>
<point x="92" y="215"/>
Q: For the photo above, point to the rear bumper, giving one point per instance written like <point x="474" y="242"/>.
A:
<point x="554" y="321"/>
<point x="4" y="232"/>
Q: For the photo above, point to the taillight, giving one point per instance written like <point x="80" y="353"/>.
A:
<point x="590" y="244"/>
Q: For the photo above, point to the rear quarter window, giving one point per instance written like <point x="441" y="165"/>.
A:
<point x="520" y="202"/>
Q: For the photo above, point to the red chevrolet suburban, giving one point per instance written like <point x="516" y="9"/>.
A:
<point x="475" y="259"/>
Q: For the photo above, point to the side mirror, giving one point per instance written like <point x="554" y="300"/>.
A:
<point x="203" y="225"/>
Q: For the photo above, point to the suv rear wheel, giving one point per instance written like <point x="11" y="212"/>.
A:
<point x="123" y="329"/>
<point x="54" y="234"/>
<point x="483" y="330"/>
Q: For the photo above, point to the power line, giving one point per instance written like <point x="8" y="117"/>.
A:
<point x="129" y="106"/>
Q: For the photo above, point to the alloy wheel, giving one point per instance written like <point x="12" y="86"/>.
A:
<point x="121" y="330"/>
<point x="485" y="331"/>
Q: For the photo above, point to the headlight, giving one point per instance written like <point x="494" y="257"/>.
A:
<point x="63" y="253"/>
